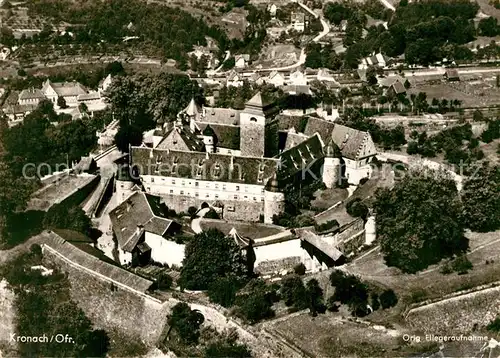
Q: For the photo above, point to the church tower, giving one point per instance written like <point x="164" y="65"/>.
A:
<point x="258" y="129"/>
<point x="274" y="200"/>
<point x="331" y="167"/>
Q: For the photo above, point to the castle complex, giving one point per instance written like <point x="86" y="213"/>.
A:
<point x="234" y="161"/>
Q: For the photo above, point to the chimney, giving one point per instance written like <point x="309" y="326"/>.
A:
<point x="138" y="229"/>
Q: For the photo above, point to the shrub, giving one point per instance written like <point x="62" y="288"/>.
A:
<point x="357" y="209"/>
<point x="164" y="281"/>
<point x="326" y="226"/>
<point x="494" y="326"/>
<point x="461" y="265"/>
<point x="300" y="269"/>
<point x="223" y="291"/>
<point x="192" y="211"/>
<point x="388" y="299"/>
<point x="446" y="269"/>
<point x="186" y="322"/>
<point x="375" y="303"/>
<point x="293" y="292"/>
<point x="212" y="214"/>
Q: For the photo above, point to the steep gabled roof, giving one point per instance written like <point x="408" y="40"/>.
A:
<point x="301" y="157"/>
<point x="242" y="242"/>
<point x="227" y="136"/>
<point x="189" y="140"/>
<point x="140" y="213"/>
<point x="349" y="140"/>
<point x="32" y="93"/>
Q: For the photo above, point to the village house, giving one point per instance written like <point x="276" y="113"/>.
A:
<point x="451" y="74"/>
<point x="297" y="78"/>
<point x="31" y="96"/>
<point x="69" y="91"/>
<point x="142" y="230"/>
<point x="234" y="79"/>
<point x="377" y="60"/>
<point x="276" y="78"/>
<point x="298" y="21"/>
<point x="241" y="61"/>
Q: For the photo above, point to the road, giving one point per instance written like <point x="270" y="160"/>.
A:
<point x="439" y="71"/>
<point x="388" y="5"/>
<point x="302" y="57"/>
<point x="195" y="223"/>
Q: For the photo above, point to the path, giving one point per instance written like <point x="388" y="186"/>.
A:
<point x="388" y="5"/>
<point x="195" y="223"/>
<point x="302" y="57"/>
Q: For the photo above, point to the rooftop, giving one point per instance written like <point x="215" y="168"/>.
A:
<point x="140" y="213"/>
<point x="59" y="190"/>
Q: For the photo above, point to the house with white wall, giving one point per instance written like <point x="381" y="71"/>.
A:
<point x="67" y="90"/>
<point x="142" y="232"/>
<point x="241" y="61"/>
<point x="276" y="78"/>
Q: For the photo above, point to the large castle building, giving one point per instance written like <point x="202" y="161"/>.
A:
<point x="234" y="160"/>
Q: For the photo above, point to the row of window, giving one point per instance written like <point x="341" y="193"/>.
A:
<point x="207" y="185"/>
<point x="208" y="195"/>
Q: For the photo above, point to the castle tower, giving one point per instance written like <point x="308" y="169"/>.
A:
<point x="274" y="200"/>
<point x="331" y="167"/>
<point x="370" y="230"/>
<point x="209" y="139"/>
<point x="258" y="130"/>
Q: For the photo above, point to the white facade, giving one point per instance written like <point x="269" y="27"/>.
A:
<point x="165" y="251"/>
<point x="297" y="78"/>
<point x="274" y="202"/>
<point x="286" y="249"/>
<point x="358" y="169"/>
<point x="276" y="79"/>
<point x="331" y="172"/>
<point x="202" y="189"/>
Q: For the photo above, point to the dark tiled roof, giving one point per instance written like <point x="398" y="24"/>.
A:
<point x="138" y="214"/>
<point x="301" y="156"/>
<point x="189" y="140"/>
<point x="320" y="126"/>
<point x="32" y="93"/>
<point x="349" y="140"/>
<point x="321" y="244"/>
<point x="227" y="136"/>
<point x="226" y="116"/>
<point x="203" y="166"/>
<point x="90" y="258"/>
<point x="398" y="88"/>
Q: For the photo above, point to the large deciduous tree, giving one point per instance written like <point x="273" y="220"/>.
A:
<point x="419" y="221"/>
<point x="209" y="256"/>
<point x="481" y="198"/>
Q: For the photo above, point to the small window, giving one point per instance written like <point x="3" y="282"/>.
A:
<point x="152" y="180"/>
<point x="216" y="196"/>
<point x="173" y="181"/>
<point x="236" y="197"/>
<point x="230" y="208"/>
<point x="224" y="187"/>
<point x="253" y="119"/>
<point x="182" y="192"/>
<point x="237" y="188"/>
<point x="171" y="191"/>
<point x="196" y="194"/>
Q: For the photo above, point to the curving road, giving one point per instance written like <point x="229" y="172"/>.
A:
<point x="302" y="57"/>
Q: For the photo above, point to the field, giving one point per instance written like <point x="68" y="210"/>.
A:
<point x="472" y="93"/>
<point x="431" y="283"/>
<point x="331" y="335"/>
<point x="488" y="9"/>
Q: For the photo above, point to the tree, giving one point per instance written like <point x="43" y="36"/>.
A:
<point x="126" y="136"/>
<point x="419" y="221"/>
<point x="15" y="192"/>
<point x="315" y="297"/>
<point x="114" y="68"/>
<point x="256" y="304"/>
<point x="164" y="281"/>
<point x="223" y="291"/>
<point x="357" y="209"/>
<point x="293" y="292"/>
<point x="186" y="322"/>
<point x="375" y="303"/>
<point x="481" y="198"/>
<point x="488" y="27"/>
<point x="388" y="299"/>
<point x="227" y="346"/>
<point x="61" y="102"/>
<point x="208" y="256"/>
<point x="59" y="216"/>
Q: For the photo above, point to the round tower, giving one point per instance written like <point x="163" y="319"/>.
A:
<point x="331" y="166"/>
<point x="274" y="200"/>
<point x="209" y="139"/>
<point x="370" y="230"/>
<point x="124" y="184"/>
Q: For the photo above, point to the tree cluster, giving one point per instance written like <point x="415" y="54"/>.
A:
<point x="44" y="306"/>
<point x="209" y="256"/>
<point x="419" y="221"/>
